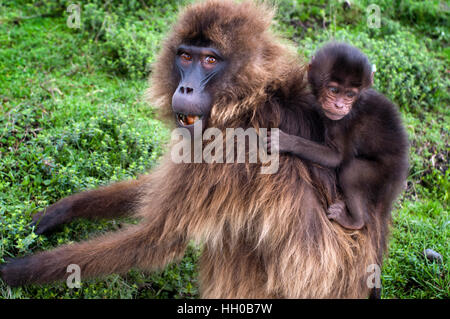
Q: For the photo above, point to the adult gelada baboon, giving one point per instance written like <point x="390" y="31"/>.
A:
<point x="263" y="235"/>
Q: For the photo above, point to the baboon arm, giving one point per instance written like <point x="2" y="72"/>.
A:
<point x="111" y="201"/>
<point x="309" y="150"/>
<point x="137" y="246"/>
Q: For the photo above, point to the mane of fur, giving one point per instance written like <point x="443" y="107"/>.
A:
<point x="263" y="236"/>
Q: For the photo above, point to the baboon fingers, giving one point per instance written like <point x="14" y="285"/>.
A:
<point x="50" y="218"/>
<point x="13" y="273"/>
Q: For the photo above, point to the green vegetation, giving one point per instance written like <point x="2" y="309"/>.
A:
<point x="73" y="117"/>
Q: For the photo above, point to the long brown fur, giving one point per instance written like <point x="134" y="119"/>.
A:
<point x="263" y="236"/>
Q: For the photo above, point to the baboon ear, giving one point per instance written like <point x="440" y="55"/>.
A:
<point x="310" y="63"/>
<point x="309" y="66"/>
<point x="374" y="69"/>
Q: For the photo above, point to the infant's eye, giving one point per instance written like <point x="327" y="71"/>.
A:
<point x="210" y="59"/>
<point x="333" y="89"/>
<point x="185" y="57"/>
<point x="351" y="94"/>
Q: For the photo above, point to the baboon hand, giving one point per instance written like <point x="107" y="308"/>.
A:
<point x="271" y="144"/>
<point x="50" y="218"/>
<point x="282" y="145"/>
<point x="13" y="272"/>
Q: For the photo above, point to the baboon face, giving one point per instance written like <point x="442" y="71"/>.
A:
<point x="339" y="74"/>
<point x="217" y="55"/>
<point x="198" y="67"/>
<point x="337" y="99"/>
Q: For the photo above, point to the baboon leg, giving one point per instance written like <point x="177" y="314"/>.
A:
<point x="111" y="201"/>
<point x="137" y="246"/>
<point x="357" y="178"/>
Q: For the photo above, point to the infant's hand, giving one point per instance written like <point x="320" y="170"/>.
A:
<point x="276" y="146"/>
<point x="267" y="143"/>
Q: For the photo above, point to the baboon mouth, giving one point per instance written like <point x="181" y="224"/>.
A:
<point x="334" y="116"/>
<point x="187" y="119"/>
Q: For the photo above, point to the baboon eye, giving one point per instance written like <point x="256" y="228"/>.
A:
<point x="185" y="57"/>
<point x="210" y="59"/>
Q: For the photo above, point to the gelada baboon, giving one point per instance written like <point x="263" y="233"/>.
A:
<point x="365" y="139"/>
<point x="263" y="235"/>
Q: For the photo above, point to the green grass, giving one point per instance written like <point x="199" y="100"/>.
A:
<point x="72" y="117"/>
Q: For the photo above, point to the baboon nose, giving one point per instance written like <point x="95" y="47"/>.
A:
<point x="186" y="90"/>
